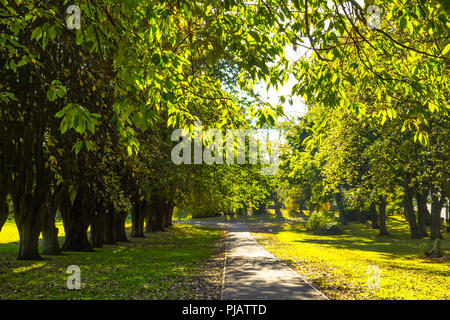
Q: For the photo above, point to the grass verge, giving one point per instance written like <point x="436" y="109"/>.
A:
<point x="344" y="266"/>
<point x="186" y="262"/>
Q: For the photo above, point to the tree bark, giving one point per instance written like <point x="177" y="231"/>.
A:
<point x="341" y="208"/>
<point x="109" y="237"/>
<point x="374" y="216"/>
<point x="436" y="207"/>
<point x="149" y="216"/>
<point x="170" y="214"/>
<point x="4" y="210"/>
<point x="137" y="220"/>
<point x="120" y="233"/>
<point x="409" y="212"/>
<point x="98" y="229"/>
<point x="76" y="222"/>
<point x="29" y="217"/>
<point x="422" y="211"/>
<point x="50" y="232"/>
<point x="382" y="215"/>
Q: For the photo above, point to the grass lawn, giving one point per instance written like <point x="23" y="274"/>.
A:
<point x="338" y="265"/>
<point x="186" y="262"/>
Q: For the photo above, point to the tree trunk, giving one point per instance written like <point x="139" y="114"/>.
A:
<point x="436" y="208"/>
<point x="137" y="220"/>
<point x="50" y="233"/>
<point x="382" y="211"/>
<point x="170" y="214"/>
<point x="422" y="211"/>
<point x="149" y="216"/>
<point x="158" y="212"/>
<point x="75" y="220"/>
<point x="29" y="217"/>
<point x="362" y="216"/>
<point x="447" y="215"/>
<point x="98" y="229"/>
<point x="374" y="216"/>
<point x="409" y="212"/>
<point x="120" y="233"/>
<point x="341" y="208"/>
<point x="109" y="226"/>
<point x="4" y="210"/>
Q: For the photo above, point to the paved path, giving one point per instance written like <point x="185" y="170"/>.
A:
<point x="253" y="273"/>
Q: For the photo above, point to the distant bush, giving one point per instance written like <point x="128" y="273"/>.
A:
<point x="323" y="223"/>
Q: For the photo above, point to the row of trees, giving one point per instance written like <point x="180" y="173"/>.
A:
<point x="376" y="136"/>
<point x="87" y="114"/>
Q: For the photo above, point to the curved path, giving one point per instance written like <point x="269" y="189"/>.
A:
<point x="253" y="273"/>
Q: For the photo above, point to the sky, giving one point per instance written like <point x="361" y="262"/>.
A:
<point x="298" y="108"/>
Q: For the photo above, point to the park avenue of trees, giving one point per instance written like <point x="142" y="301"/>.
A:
<point x="87" y="113"/>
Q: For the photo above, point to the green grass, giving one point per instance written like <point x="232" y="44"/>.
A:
<point x="169" y="265"/>
<point x="339" y="264"/>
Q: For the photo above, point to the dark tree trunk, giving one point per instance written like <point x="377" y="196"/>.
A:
<point x="109" y="226"/>
<point x="362" y="216"/>
<point x="98" y="229"/>
<point x="4" y="210"/>
<point x="157" y="211"/>
<point x="170" y="214"/>
<point x="29" y="217"/>
<point x="382" y="211"/>
<point x="341" y="208"/>
<point x="436" y="207"/>
<point x="374" y="216"/>
<point x="50" y="232"/>
<point x="137" y="220"/>
<point x="447" y="215"/>
<point x="409" y="212"/>
<point x="422" y="211"/>
<point x="76" y="222"/>
<point x="120" y="233"/>
<point x="149" y="216"/>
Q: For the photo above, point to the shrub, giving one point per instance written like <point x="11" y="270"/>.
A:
<point x="323" y="223"/>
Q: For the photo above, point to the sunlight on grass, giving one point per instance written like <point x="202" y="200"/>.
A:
<point x="9" y="232"/>
<point x="339" y="264"/>
<point x="28" y="268"/>
<point x="165" y="265"/>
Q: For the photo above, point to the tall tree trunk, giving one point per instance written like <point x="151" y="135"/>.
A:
<point x="137" y="220"/>
<point x="447" y="214"/>
<point x="76" y="221"/>
<point x="362" y="215"/>
<point x="382" y="212"/>
<point x="109" y="225"/>
<point x="158" y="213"/>
<point x="29" y="217"/>
<point x="4" y="209"/>
<point x="157" y="209"/>
<point x="409" y="212"/>
<point x="340" y="205"/>
<point x="374" y="215"/>
<point x="422" y="211"/>
<point x="436" y="207"/>
<point x="170" y="214"/>
<point x="120" y="233"/>
<point x="98" y="228"/>
<point x="50" y="231"/>
<point x="149" y="216"/>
